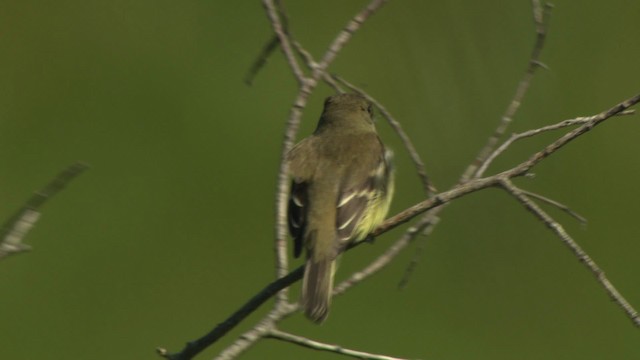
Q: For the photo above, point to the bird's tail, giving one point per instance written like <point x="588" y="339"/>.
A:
<point x="317" y="286"/>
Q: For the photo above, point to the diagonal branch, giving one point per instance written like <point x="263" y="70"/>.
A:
<point x="193" y="348"/>
<point x="345" y="35"/>
<point x="584" y="258"/>
<point x="261" y="60"/>
<point x="559" y="205"/>
<point x="270" y="46"/>
<point x="540" y="17"/>
<point x="18" y="225"/>
<point x="515" y="137"/>
<point x="572" y="135"/>
<point x="431" y="218"/>
<point x="312" y="64"/>
<point x="426" y="222"/>
<point x="280" y="246"/>
<point x="280" y="31"/>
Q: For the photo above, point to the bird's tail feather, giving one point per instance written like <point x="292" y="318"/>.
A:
<point x="317" y="286"/>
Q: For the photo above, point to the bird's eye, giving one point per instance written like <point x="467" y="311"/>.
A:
<point x="370" y="110"/>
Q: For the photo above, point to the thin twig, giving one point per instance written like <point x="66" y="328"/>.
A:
<point x="429" y="189"/>
<point x="261" y="60"/>
<point x="279" y="313"/>
<point x="316" y="345"/>
<point x="526" y="134"/>
<point x="18" y="225"/>
<point x="417" y="256"/>
<point x="280" y="30"/>
<point x="523" y="168"/>
<point x="250" y="337"/>
<point x="541" y="19"/>
<point x="574" y="247"/>
<point x="276" y="16"/>
<point x="559" y="205"/>
<point x="572" y="135"/>
<point x="12" y="239"/>
<point x="193" y="348"/>
<point x="345" y="35"/>
<point x="269" y="47"/>
<point x="427" y="221"/>
<point x="311" y="64"/>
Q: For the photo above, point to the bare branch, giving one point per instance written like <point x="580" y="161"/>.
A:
<point x="316" y="345"/>
<point x="541" y="19"/>
<point x="283" y="38"/>
<point x="572" y="135"/>
<point x="249" y="338"/>
<point x="345" y="35"/>
<point x="417" y="256"/>
<point x="560" y="206"/>
<point x="574" y="247"/>
<point x="18" y="225"/>
<point x="261" y="60"/>
<point x="312" y="64"/>
<point x="515" y="137"/>
<point x="193" y="348"/>
<point x="269" y="47"/>
<point x="12" y="239"/>
<point x="282" y="192"/>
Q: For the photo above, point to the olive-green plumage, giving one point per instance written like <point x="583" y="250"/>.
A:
<point x="342" y="188"/>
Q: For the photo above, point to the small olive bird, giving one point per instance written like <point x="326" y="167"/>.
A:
<point x="342" y="188"/>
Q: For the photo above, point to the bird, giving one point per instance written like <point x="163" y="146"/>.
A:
<point x="341" y="189"/>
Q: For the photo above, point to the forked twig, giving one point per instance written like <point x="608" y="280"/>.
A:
<point x="311" y="64"/>
<point x="541" y="14"/>
<point x="515" y="137"/>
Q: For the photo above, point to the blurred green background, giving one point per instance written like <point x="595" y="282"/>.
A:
<point x="171" y="229"/>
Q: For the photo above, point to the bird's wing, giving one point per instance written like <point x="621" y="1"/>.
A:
<point x="360" y="192"/>
<point x="302" y="160"/>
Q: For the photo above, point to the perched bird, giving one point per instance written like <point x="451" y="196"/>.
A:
<point x="342" y="188"/>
